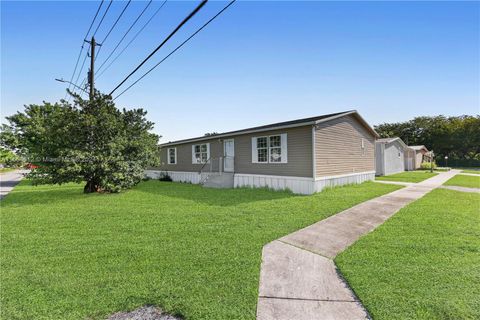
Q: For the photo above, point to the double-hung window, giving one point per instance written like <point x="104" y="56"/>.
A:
<point x="172" y="155"/>
<point x="200" y="153"/>
<point x="270" y="149"/>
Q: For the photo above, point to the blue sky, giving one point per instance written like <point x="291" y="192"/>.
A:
<point x="259" y="62"/>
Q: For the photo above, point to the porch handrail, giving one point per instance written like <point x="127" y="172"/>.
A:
<point x="209" y="161"/>
<point x="205" y="163"/>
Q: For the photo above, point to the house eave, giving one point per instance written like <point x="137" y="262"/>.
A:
<point x="221" y="136"/>
<point x="264" y="129"/>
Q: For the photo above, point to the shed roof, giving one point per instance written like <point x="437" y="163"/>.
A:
<point x="279" y="125"/>
<point x="418" y="148"/>
<point x="390" y="140"/>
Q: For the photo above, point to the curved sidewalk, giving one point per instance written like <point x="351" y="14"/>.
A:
<point x="298" y="278"/>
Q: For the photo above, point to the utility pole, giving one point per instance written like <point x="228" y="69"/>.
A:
<point x="92" y="68"/>
<point x="91" y="73"/>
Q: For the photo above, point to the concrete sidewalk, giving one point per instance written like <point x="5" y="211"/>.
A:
<point x="469" y="174"/>
<point x="8" y="181"/>
<point x="298" y="278"/>
<point x="462" y="189"/>
<point x="399" y="183"/>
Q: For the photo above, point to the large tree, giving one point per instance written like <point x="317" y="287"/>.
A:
<point x="89" y="141"/>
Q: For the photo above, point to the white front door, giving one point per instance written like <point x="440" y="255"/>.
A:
<point x="229" y="155"/>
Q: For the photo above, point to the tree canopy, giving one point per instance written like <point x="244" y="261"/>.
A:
<point x="9" y="159"/>
<point x="87" y="141"/>
<point x="455" y="137"/>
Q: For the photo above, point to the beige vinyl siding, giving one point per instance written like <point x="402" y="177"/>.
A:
<point x="338" y="147"/>
<point x="184" y="157"/>
<point x="299" y="154"/>
<point x="418" y="158"/>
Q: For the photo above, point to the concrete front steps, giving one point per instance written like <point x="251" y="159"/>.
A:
<point x="219" y="180"/>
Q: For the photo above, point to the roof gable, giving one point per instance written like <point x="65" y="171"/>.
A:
<point x="418" y="148"/>
<point x="392" y="140"/>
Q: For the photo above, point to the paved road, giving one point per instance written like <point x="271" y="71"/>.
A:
<point x="9" y="180"/>
<point x="298" y="277"/>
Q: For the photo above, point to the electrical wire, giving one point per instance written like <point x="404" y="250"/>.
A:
<point x="131" y="41"/>
<point x="82" y="47"/>
<point x="178" y="47"/>
<point x="86" y="55"/>
<point x="161" y="44"/>
<point x="111" y="29"/>
<point x="125" y="34"/>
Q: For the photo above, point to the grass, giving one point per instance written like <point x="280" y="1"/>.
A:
<point x="464" y="181"/>
<point x="408" y="176"/>
<point x="471" y="171"/>
<point x="423" y="263"/>
<point x="4" y="170"/>
<point x="190" y="250"/>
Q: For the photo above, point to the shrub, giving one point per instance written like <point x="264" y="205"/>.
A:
<point x="89" y="140"/>
<point x="428" y="165"/>
<point x="165" y="177"/>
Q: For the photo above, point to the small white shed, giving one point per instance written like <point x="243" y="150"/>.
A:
<point x="391" y="156"/>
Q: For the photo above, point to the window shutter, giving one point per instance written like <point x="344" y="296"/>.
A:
<point x="208" y="152"/>
<point x="284" y="147"/>
<point x="194" y="160"/>
<point x="254" y="150"/>
<point x="175" y="155"/>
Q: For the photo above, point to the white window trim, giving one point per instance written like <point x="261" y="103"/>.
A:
<point x="283" y="146"/>
<point x="168" y="156"/>
<point x="194" y="159"/>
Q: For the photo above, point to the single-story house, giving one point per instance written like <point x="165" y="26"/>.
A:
<point x="304" y="155"/>
<point x="421" y="155"/>
<point x="392" y="156"/>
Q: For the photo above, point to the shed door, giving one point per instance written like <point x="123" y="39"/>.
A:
<point x="229" y="155"/>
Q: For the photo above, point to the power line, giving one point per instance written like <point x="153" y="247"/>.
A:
<point x="133" y="39"/>
<point x="178" y="47"/>
<point x="83" y="43"/>
<point x="86" y="55"/>
<point x="94" y="18"/>
<point x="163" y="42"/>
<point x="103" y="17"/>
<point x="113" y="27"/>
<point x="80" y="72"/>
<point x="126" y="33"/>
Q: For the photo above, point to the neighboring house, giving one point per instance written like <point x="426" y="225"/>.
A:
<point x="421" y="154"/>
<point x="392" y="156"/>
<point x="304" y="155"/>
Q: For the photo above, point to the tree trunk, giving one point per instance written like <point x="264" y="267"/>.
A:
<point x="91" y="186"/>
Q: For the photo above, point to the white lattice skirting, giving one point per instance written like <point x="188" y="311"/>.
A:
<point x="344" y="179"/>
<point x="299" y="185"/>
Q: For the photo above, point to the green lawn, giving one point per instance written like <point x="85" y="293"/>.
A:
<point x="408" y="176"/>
<point x="464" y="181"/>
<point x="423" y="263"/>
<point x="190" y="250"/>
<point x="471" y="171"/>
<point x="3" y="170"/>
